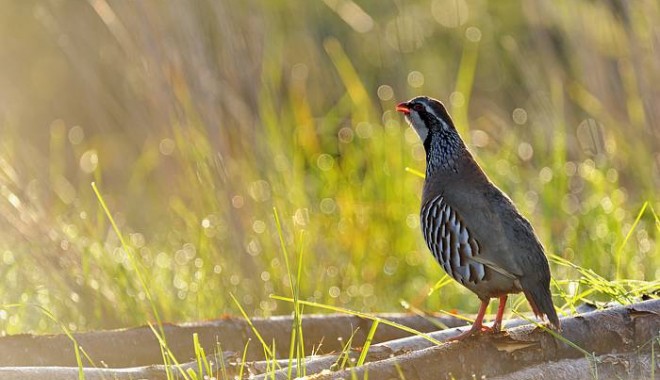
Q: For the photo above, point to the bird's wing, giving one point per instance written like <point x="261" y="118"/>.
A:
<point x="522" y="249"/>
<point x="497" y="227"/>
<point x="494" y="266"/>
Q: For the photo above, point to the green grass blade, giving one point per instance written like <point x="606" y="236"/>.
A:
<point x="78" y="350"/>
<point x="242" y="367"/>
<point x="191" y="374"/>
<point x="625" y="240"/>
<point x="170" y="355"/>
<point x="293" y="344"/>
<point x="399" y="371"/>
<point x="254" y="329"/>
<point x="221" y="358"/>
<point x="345" y="353"/>
<point x="298" y="310"/>
<point x="132" y="259"/>
<point x="415" y="172"/>
<point x="444" y="281"/>
<point x="421" y="314"/>
<point x="655" y="217"/>
<point x="361" y="315"/>
<point x="367" y="343"/>
<point x="555" y="334"/>
<point x="653" y="357"/>
<point x="200" y="357"/>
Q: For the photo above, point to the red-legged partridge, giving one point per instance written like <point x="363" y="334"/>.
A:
<point x="472" y="228"/>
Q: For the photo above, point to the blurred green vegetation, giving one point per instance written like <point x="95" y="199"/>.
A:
<point x="195" y="119"/>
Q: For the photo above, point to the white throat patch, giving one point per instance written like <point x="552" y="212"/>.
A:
<point x="418" y="125"/>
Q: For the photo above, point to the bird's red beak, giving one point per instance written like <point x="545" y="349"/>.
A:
<point x="403" y="108"/>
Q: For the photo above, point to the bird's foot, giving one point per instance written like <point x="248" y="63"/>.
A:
<point x="475" y="330"/>
<point x="479" y="330"/>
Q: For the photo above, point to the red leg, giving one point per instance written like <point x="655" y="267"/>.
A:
<point x="500" y="313"/>
<point x="477" y="326"/>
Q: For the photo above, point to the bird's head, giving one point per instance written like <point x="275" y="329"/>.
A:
<point x="426" y="116"/>
<point x="430" y="120"/>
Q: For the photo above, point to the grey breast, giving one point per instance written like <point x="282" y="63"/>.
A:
<point x="450" y="242"/>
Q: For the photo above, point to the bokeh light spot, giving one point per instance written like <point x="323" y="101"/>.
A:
<point x="89" y="161"/>
<point x="166" y="146"/>
<point x="450" y="13"/>
<point x="415" y="79"/>
<point x="525" y="151"/>
<point x="473" y="34"/>
<point x="385" y="92"/>
<point x="519" y="116"/>
<point x="76" y="135"/>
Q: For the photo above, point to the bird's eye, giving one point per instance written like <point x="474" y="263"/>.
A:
<point x="418" y="107"/>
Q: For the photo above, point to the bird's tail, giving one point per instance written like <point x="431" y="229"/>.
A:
<point x="539" y="298"/>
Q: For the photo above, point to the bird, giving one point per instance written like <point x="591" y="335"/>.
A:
<point x="472" y="228"/>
